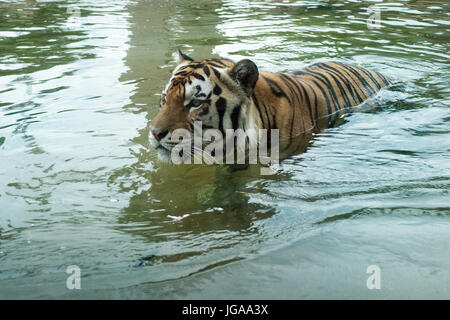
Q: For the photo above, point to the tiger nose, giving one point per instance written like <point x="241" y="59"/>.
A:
<point x="159" y="133"/>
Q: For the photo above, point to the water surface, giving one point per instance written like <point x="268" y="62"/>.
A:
<point x="80" y="185"/>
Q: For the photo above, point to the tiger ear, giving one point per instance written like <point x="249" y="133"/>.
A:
<point x="245" y="73"/>
<point x="182" y="58"/>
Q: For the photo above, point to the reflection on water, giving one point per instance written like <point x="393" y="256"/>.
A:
<point x="79" y="183"/>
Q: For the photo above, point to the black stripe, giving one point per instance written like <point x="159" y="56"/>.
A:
<point x="206" y="71"/>
<point x="341" y="89"/>
<point x="325" y="96"/>
<point x="383" y="78"/>
<point x="316" y="113"/>
<point x="291" y="89"/>
<point x="273" y="125"/>
<point x="181" y="73"/>
<point x="196" y="65"/>
<point x="363" y="81"/>
<point x="333" y="94"/>
<point x="302" y="92"/>
<point x="370" y="76"/>
<point x="287" y="83"/>
<point x="326" y="81"/>
<point x="198" y="76"/>
<point x="217" y="90"/>
<point x="218" y="61"/>
<point x="358" y="83"/>
<point x="259" y="110"/>
<point x="221" y="106"/>
<point x="344" y="79"/>
<point x="217" y="73"/>
<point x="308" y="102"/>
<point x="275" y="88"/>
<point x="215" y="65"/>
<point x="354" y="84"/>
<point x="235" y="117"/>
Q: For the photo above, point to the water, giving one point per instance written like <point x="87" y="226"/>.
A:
<point x="80" y="185"/>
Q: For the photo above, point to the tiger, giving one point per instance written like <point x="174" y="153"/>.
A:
<point x="223" y="95"/>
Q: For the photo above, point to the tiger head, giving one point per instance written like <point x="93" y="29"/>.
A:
<point x="216" y="92"/>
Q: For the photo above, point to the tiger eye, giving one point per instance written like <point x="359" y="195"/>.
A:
<point x="196" y="103"/>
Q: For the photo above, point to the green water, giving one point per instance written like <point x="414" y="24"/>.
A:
<point x="80" y="185"/>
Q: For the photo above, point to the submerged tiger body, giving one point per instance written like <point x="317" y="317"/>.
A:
<point x="227" y="95"/>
